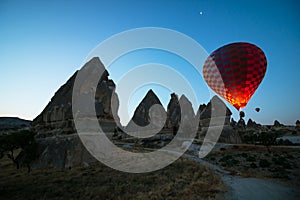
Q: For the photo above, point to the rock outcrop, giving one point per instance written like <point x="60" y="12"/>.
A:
<point x="57" y="117"/>
<point x="59" y="145"/>
<point x="298" y="124"/>
<point x="175" y="117"/>
<point x="188" y="122"/>
<point x="63" y="151"/>
<point x="216" y="114"/>
<point x="277" y="124"/>
<point x="215" y="109"/>
<point x="149" y="112"/>
<point x="173" y="114"/>
<point x="230" y="135"/>
<point x="233" y="123"/>
<point x="252" y="124"/>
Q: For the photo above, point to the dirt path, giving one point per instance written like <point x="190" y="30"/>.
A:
<point x="247" y="188"/>
<point x="251" y="188"/>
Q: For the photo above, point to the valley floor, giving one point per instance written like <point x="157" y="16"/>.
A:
<point x="184" y="179"/>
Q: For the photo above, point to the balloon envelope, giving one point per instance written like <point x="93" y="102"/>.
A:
<point x="235" y="71"/>
<point x="257" y="109"/>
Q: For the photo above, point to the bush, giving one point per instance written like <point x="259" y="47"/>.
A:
<point x="251" y="159"/>
<point x="282" y="162"/>
<point x="23" y="140"/>
<point x="264" y="163"/>
<point x="253" y="165"/>
<point x="226" y="158"/>
<point x="244" y="155"/>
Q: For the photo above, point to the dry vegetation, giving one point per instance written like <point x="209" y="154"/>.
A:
<point x="184" y="179"/>
<point x="258" y="161"/>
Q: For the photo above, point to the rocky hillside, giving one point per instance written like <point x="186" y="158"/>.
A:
<point x="9" y="124"/>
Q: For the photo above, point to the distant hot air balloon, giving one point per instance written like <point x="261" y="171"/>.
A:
<point x="257" y="109"/>
<point x="235" y="71"/>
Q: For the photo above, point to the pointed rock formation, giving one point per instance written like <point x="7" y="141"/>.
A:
<point x="173" y="114"/>
<point x="277" y="124"/>
<point x="188" y="123"/>
<point x="144" y="115"/>
<point x="252" y="124"/>
<point x="57" y="117"/>
<point x="298" y="124"/>
<point x="58" y="146"/>
<point x="215" y="114"/>
<point x="201" y="108"/>
<point x="233" y="123"/>
<point x="216" y="108"/>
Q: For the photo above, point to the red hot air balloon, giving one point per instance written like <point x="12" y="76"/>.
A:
<point x="235" y="71"/>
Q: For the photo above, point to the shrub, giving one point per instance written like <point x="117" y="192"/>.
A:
<point x="226" y="158"/>
<point x="244" y="155"/>
<point x="251" y="159"/>
<point x="253" y="165"/>
<point x="23" y="140"/>
<point x="264" y="163"/>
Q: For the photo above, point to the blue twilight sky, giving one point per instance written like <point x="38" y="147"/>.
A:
<point x="42" y="43"/>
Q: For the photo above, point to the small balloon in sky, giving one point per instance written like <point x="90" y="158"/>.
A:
<point x="257" y="109"/>
<point x="200" y="13"/>
<point x="235" y="71"/>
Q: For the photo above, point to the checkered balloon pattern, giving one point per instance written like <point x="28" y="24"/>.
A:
<point x="235" y="71"/>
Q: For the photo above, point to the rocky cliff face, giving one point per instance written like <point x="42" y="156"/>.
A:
<point x="57" y="117"/>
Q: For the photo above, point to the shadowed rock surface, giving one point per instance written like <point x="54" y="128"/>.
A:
<point x="298" y="124"/>
<point x="216" y="108"/>
<point x="57" y="117"/>
<point x="277" y="124"/>
<point x="252" y="124"/>
<point x="173" y="114"/>
<point x="141" y="116"/>
<point x="58" y="145"/>
<point x="215" y="114"/>
<point x="188" y="123"/>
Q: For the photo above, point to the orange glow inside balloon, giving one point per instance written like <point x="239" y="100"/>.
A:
<point x="235" y="71"/>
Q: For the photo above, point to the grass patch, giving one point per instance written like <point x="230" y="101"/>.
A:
<point x="256" y="161"/>
<point x="184" y="179"/>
